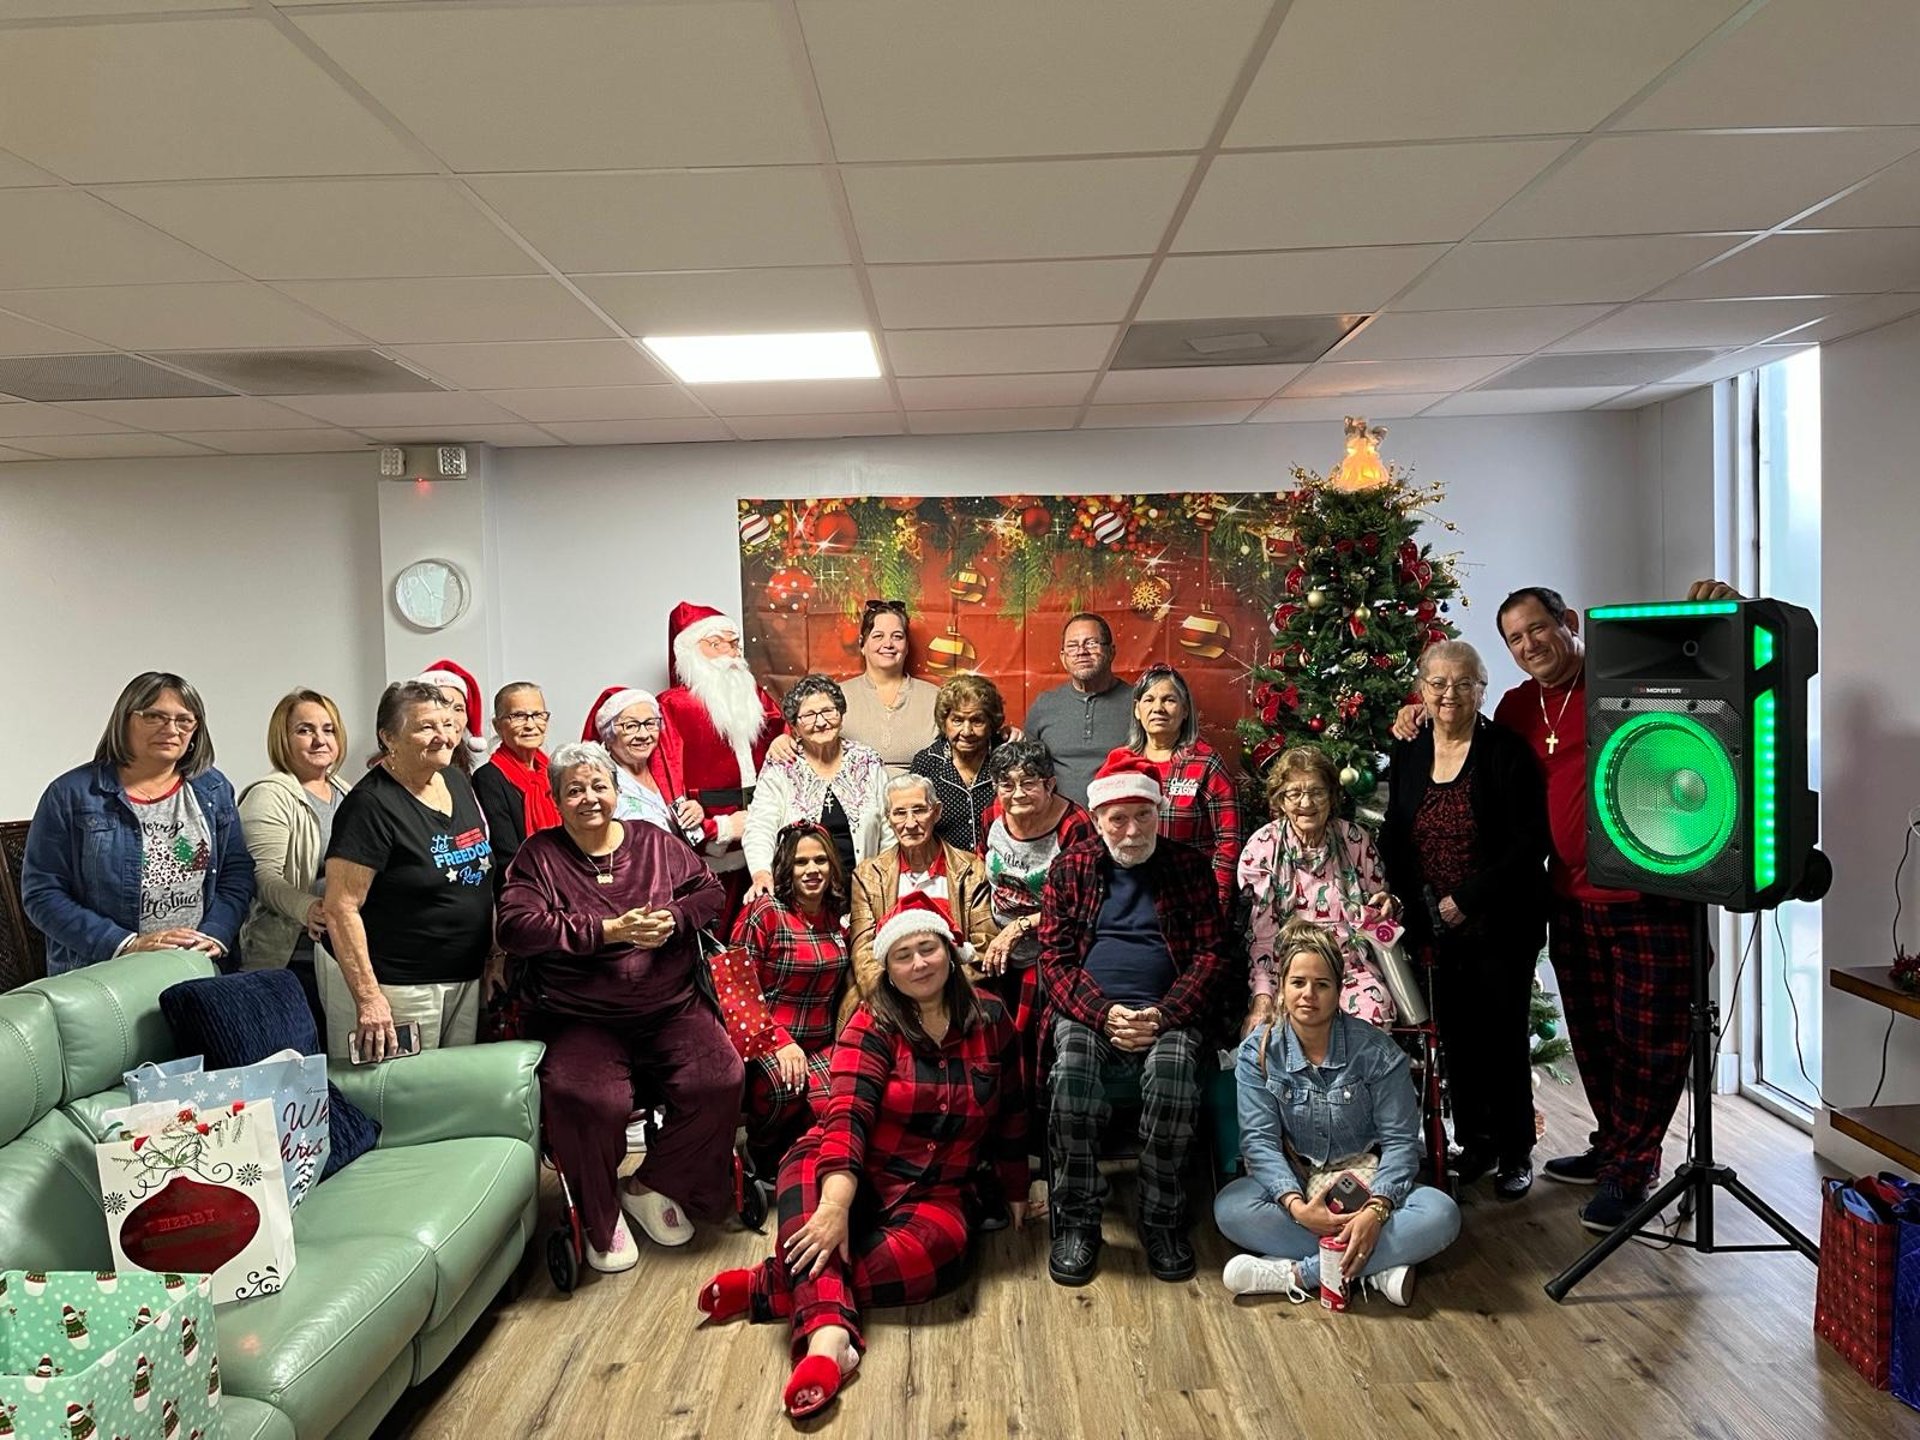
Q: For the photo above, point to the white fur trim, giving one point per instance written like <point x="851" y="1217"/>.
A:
<point x="901" y="925"/>
<point x="611" y="707"/>
<point x="711" y="625"/>
<point x="1106" y="789"/>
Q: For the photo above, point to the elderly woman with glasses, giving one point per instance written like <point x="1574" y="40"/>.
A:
<point x="1310" y="864"/>
<point x="1466" y="831"/>
<point x="513" y="786"/>
<point x="142" y="849"/>
<point x="884" y="708"/>
<point x="835" y="782"/>
<point x="629" y="723"/>
<point x="1200" y="805"/>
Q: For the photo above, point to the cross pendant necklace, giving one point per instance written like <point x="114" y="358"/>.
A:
<point x="1553" y="725"/>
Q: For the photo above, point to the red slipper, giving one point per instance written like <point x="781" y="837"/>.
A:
<point x="726" y="1295"/>
<point x="822" y="1371"/>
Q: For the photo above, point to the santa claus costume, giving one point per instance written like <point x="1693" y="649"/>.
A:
<point x="722" y="721"/>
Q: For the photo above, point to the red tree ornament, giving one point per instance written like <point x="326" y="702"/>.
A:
<point x="790" y="589"/>
<point x="831" y="532"/>
<point x="1036" y="520"/>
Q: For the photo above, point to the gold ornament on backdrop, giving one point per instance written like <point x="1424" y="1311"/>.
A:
<point x="969" y="586"/>
<point x="950" y="654"/>
<point x="1205" y="635"/>
<point x="1361" y="468"/>
<point x="1150" y="596"/>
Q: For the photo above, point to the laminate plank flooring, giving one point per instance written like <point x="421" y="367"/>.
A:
<point x="1654" y="1344"/>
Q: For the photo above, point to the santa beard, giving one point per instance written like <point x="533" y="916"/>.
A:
<point x="728" y="693"/>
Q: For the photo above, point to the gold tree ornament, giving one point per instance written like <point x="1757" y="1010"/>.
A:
<point x="1150" y="596"/>
<point x="969" y="586"/>
<point x="1361" y="468"/>
<point x="950" y="654"/>
<point x="1205" y="635"/>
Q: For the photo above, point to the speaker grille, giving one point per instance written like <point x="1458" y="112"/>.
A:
<point x="1666" y="787"/>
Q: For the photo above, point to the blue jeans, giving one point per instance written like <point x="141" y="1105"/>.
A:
<point x="1421" y="1227"/>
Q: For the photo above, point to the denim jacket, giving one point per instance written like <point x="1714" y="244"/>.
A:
<point x="80" y="880"/>
<point x="1361" y="1099"/>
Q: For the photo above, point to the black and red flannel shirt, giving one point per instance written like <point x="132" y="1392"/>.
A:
<point x="1188" y="907"/>
<point x="803" y="967"/>
<point x="910" y="1124"/>
<point x="1201" y="808"/>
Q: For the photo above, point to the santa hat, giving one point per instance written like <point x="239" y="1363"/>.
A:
<point x="449" y="676"/>
<point x="692" y="623"/>
<point x="607" y="708"/>
<point x="1124" y="776"/>
<point x="917" y="914"/>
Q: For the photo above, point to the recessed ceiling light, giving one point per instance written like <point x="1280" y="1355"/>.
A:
<point x="713" y="359"/>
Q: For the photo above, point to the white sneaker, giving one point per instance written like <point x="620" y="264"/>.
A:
<point x="620" y="1254"/>
<point x="1394" y="1284"/>
<point x="663" y="1220"/>
<point x="1259" y="1275"/>
<point x="636" y="1137"/>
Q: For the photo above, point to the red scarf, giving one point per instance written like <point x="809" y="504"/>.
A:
<point x="531" y="782"/>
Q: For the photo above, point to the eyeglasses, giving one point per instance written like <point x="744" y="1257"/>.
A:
<point x="815" y="718"/>
<point x="1296" y="796"/>
<point x="910" y="812"/>
<point x="1082" y="647"/>
<point x="526" y="717"/>
<point x="1010" y="786"/>
<point x="631" y="728"/>
<point x="1450" y="687"/>
<point x="167" y="719"/>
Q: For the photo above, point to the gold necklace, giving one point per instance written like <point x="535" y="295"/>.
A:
<point x="1553" y="725"/>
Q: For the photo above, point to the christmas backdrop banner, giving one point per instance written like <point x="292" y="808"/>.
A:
<point x="1294" y="615"/>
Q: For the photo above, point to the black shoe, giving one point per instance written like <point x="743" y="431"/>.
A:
<point x="994" y="1214"/>
<point x="1513" y="1180"/>
<point x="1471" y="1163"/>
<point x="1581" y="1169"/>
<point x="1075" y="1255"/>
<point x="1611" y="1205"/>
<point x="1169" y="1254"/>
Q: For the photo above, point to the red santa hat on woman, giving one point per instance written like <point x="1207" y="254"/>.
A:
<point x="917" y="914"/>
<point x="1124" y="776"/>
<point x="607" y="708"/>
<point x="687" y="625"/>
<point x="449" y="676"/>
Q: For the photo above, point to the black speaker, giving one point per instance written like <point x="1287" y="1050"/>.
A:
<point x="1697" y="751"/>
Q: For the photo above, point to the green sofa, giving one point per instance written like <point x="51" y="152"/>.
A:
<point x="394" y="1257"/>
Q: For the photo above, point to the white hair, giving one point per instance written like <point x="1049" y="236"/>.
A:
<point x="571" y="757"/>
<point x="910" y="782"/>
<point x="1456" y="652"/>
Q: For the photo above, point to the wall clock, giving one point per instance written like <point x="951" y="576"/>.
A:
<point x="431" y="594"/>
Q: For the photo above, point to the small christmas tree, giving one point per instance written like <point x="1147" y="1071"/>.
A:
<point x="1357" y="598"/>
<point x="1549" y="1047"/>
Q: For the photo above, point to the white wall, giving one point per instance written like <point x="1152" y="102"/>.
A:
<point x="247" y="576"/>
<point x="1684" y="452"/>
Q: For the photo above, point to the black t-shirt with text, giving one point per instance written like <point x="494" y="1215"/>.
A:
<point x="429" y="911"/>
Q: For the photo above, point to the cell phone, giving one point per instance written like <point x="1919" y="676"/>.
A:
<point x="1347" y="1195"/>
<point x="408" y="1034"/>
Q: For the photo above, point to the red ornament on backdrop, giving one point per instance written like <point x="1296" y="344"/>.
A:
<point x="968" y="586"/>
<point x="1036" y="520"/>
<point x="831" y="532"/>
<point x="950" y="654"/>
<point x="790" y="589"/>
<point x="848" y="634"/>
<point x="189" y="1226"/>
<point x="902" y="502"/>
<point x="754" y="527"/>
<point x="1205" y="635"/>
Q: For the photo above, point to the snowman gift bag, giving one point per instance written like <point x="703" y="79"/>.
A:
<point x="188" y="1189"/>
<point x="92" y="1356"/>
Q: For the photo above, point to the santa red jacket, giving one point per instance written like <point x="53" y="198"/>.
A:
<point x="708" y="767"/>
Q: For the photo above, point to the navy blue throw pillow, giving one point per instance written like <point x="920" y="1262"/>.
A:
<point x="243" y="1018"/>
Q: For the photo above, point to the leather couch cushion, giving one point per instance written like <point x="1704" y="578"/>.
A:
<point x="29" y="1061"/>
<point x="50" y="1216"/>
<point x="246" y="1419"/>
<point x="109" y="1015"/>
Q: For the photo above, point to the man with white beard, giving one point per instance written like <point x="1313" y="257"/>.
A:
<point x="1132" y="956"/>
<point x="721" y="721"/>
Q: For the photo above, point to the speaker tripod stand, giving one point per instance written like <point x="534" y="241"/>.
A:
<point x="1699" y="1175"/>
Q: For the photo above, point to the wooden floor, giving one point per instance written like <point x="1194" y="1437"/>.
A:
<point x="1653" y="1344"/>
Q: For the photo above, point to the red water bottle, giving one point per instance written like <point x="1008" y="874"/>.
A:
<point x="1333" y="1284"/>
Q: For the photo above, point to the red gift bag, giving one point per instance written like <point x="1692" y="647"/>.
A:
<point x="741" y="1002"/>
<point x="1853" y="1303"/>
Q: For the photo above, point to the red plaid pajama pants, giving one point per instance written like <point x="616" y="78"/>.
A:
<point x="1625" y="973"/>
<point x="906" y="1256"/>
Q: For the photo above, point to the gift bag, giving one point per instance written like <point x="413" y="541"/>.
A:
<point x="1903" y="1369"/>
<point x="1853" y="1299"/>
<point x="85" y="1356"/>
<point x="295" y="1083"/>
<point x="737" y="993"/>
<point x="198" y="1190"/>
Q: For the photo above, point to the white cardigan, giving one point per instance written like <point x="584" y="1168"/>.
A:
<point x="790" y="791"/>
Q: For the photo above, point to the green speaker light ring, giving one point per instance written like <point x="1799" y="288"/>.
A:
<point x="1666" y="792"/>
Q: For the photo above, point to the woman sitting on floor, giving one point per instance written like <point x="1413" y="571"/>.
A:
<point x="1323" y="1094"/>
<point x="876" y="1200"/>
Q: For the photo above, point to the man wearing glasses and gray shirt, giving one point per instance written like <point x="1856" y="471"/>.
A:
<point x="1084" y="720"/>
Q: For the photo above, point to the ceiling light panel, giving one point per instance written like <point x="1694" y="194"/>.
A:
<point x="725" y="359"/>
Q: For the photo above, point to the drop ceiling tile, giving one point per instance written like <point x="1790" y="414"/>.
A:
<point x="24" y="337"/>
<point x="192" y="99"/>
<point x="599" y="402"/>
<point x="1891" y="198"/>
<point x="112" y="447"/>
<point x="686" y="220"/>
<point x="1799" y="262"/>
<point x="813" y="427"/>
<point x="74" y="9"/>
<point x="1359" y="70"/>
<point x="580" y="87"/>
<point x="1525" y="402"/>
<point x="276" y="442"/>
<point x="1045" y="292"/>
<point x="1198" y="382"/>
<point x="1005" y="77"/>
<point x="1436" y="334"/>
<point x="1391" y="377"/>
<point x="1799" y="62"/>
<point x="1646" y="395"/>
<point x="237" y="316"/>
<point x="1290" y="282"/>
<point x="1754" y="357"/>
<point x="1668" y="183"/>
<point x="1390" y="195"/>
<point x="25" y="418"/>
<point x="330" y="229"/>
<point x="532" y="364"/>
<point x="7" y="454"/>
<point x="1006" y="350"/>
<point x="1852" y="317"/>
<point x="358" y="412"/>
<point x="1035" y="210"/>
<point x="796" y="397"/>
<point x="401" y="312"/>
<point x="639" y="432"/>
<point x="994" y="392"/>
<point x="66" y="237"/>
<point x="724" y="302"/>
<point x="15" y="171"/>
<point x="1378" y="407"/>
<point x="979" y="422"/>
<point x="1558" y="272"/>
<point x="507" y="437"/>
<point x="209" y="413"/>
<point x="1679" y="324"/>
<point x="1173" y="412"/>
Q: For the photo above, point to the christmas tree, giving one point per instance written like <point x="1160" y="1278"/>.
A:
<point x="1356" y="598"/>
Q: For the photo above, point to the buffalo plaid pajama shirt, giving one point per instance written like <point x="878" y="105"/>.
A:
<point x="1201" y="808"/>
<point x="803" y="969"/>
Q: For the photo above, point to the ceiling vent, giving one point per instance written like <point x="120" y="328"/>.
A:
<point x="1258" y="340"/>
<point x="1612" y="367"/>
<point x="96" y="377"/>
<point x="302" y="372"/>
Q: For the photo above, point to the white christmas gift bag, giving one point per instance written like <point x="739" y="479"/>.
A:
<point x="86" y="1356"/>
<point x="295" y="1083"/>
<point x="198" y="1190"/>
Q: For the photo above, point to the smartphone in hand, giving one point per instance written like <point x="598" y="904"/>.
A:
<point x="1347" y="1195"/>
<point x="407" y="1033"/>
